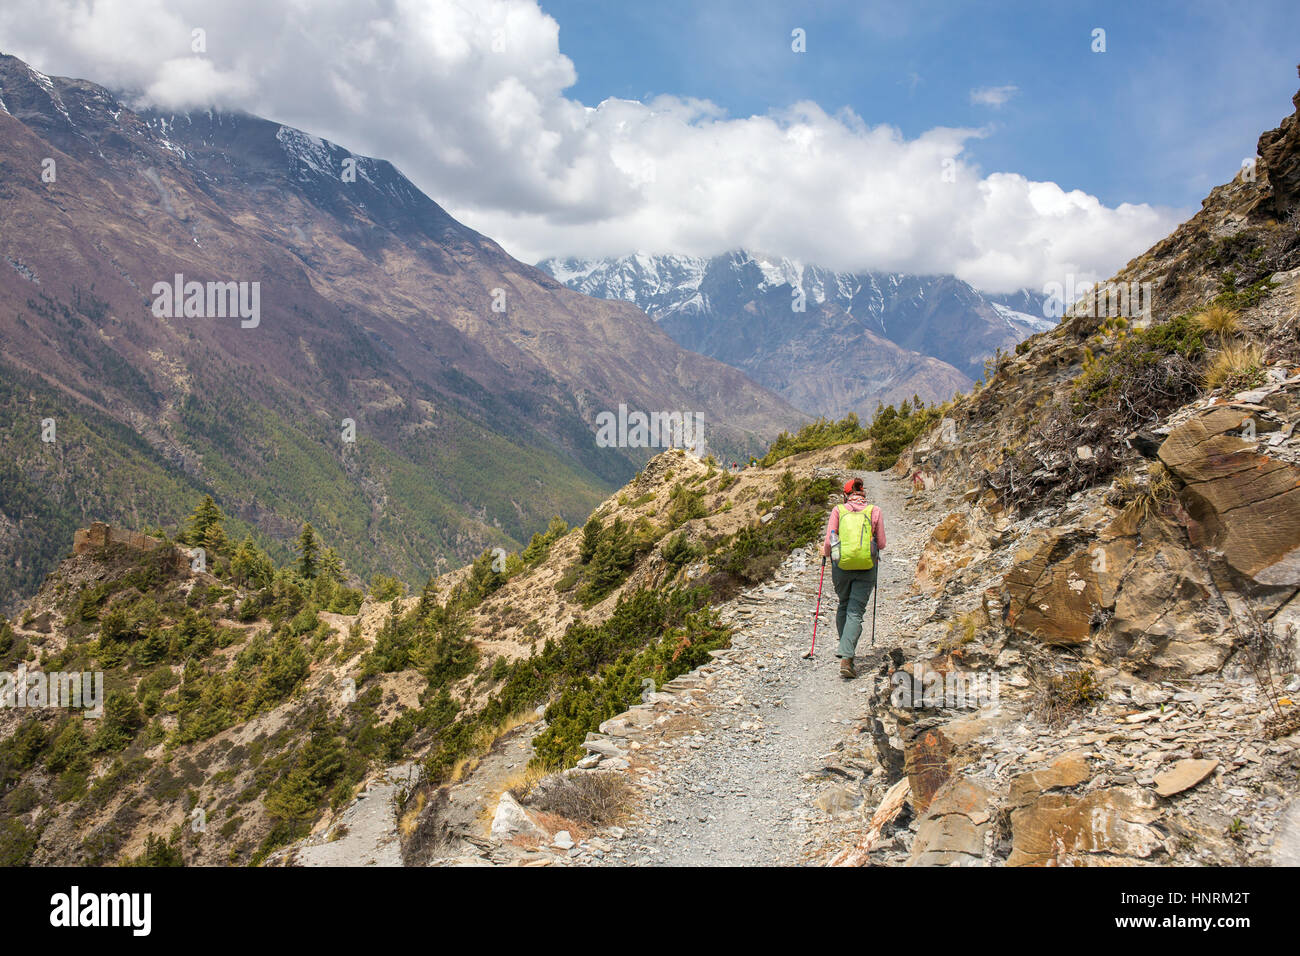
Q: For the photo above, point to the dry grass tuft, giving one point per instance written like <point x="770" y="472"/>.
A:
<point x="1058" y="696"/>
<point x="1159" y="490"/>
<point x="962" y="630"/>
<point x="1219" y="321"/>
<point x="411" y="816"/>
<point x="1236" y="367"/>
<point x="593" y="798"/>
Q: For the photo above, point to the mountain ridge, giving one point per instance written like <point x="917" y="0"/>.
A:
<point x="473" y="423"/>
<point x="926" y="335"/>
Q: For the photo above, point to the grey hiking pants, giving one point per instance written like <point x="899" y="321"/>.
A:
<point x="853" y="588"/>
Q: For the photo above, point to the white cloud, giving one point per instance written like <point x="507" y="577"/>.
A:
<point x="994" y="96"/>
<point x="469" y="101"/>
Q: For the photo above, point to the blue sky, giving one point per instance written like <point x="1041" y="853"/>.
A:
<point x="1168" y="111"/>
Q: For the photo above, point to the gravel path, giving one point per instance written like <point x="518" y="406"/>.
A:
<point x="741" y="789"/>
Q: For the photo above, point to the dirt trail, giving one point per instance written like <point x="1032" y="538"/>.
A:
<point x="742" y="777"/>
<point x="742" y="788"/>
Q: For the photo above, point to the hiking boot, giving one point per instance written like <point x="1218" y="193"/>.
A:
<point x="846" y="668"/>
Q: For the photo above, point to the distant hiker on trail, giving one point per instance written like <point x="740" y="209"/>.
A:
<point x="854" y="537"/>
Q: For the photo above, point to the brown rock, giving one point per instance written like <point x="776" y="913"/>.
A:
<point x="1239" y="502"/>
<point x="953" y="830"/>
<point x="1183" y="776"/>
<point x="1067" y="770"/>
<point x="1102" y="828"/>
<point x="943" y="554"/>
<point x="1279" y="152"/>
<point x="927" y="763"/>
<point x="1165" y="610"/>
<point x="836" y="802"/>
<point x="1053" y="591"/>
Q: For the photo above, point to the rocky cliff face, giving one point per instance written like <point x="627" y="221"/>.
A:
<point x="1121" y="537"/>
<point x="854" y="340"/>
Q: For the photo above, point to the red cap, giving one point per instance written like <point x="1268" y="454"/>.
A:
<point x="852" y="485"/>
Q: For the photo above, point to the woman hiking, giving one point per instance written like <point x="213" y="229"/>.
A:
<point x="855" y="536"/>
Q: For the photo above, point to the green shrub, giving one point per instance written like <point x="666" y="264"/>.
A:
<point x="590" y="538"/>
<point x="819" y="434"/>
<point x="892" y="430"/>
<point x="685" y="504"/>
<point x="17" y="843"/>
<point x="649" y="636"/>
<point x="540" y="545"/>
<point x="160" y="852"/>
<point x="754" y="552"/>
<point x="611" y="562"/>
<point x="678" y="551"/>
<point x="383" y="587"/>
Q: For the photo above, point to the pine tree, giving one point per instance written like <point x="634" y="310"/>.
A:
<point x="250" y="567"/>
<point x="214" y="540"/>
<point x="331" y="566"/>
<point x="428" y="597"/>
<point x="307" y="551"/>
<point x="205" y="516"/>
<point x="590" y="538"/>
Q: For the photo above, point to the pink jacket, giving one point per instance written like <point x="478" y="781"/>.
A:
<point x="855" y="503"/>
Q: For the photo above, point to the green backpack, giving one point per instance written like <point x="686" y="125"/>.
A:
<point x="857" y="540"/>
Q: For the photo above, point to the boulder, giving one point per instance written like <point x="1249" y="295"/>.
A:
<point x="927" y="762"/>
<point x="512" y="821"/>
<point x="944" y="553"/>
<point x="1242" y="503"/>
<point x="1166" y="611"/>
<point x="1104" y="828"/>
<point x="597" y="744"/>
<point x="837" y="802"/>
<point x="1053" y="590"/>
<point x="952" y="832"/>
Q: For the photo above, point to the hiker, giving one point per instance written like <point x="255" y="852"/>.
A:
<point x="848" y="542"/>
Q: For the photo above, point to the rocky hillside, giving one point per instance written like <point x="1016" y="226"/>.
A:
<point x="244" y="702"/>
<point x="1118" y="543"/>
<point x="404" y="384"/>
<point x="894" y="335"/>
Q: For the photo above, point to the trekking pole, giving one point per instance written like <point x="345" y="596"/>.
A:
<point x="817" y="613"/>
<point x="874" y="592"/>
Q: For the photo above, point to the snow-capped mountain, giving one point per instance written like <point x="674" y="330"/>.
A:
<point x="700" y="302"/>
<point x="367" y="302"/>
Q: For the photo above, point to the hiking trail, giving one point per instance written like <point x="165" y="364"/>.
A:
<point x="741" y="779"/>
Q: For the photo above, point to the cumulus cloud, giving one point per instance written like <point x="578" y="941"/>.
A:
<point x="994" y="96"/>
<point x="469" y="101"/>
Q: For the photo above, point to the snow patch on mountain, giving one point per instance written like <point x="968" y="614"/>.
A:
<point x="309" y="151"/>
<point x="1019" y="320"/>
